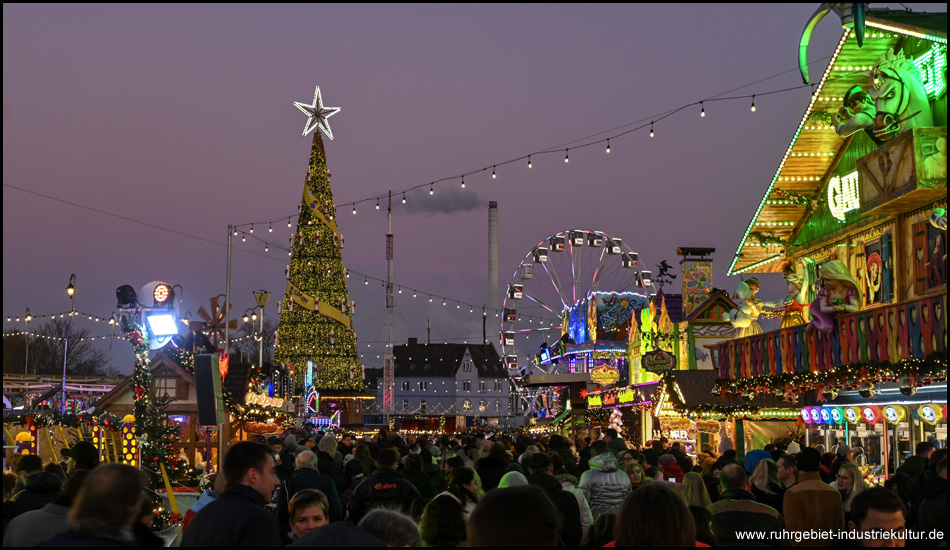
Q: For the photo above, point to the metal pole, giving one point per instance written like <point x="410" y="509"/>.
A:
<point x="227" y="293"/>
<point x="26" y="338"/>
<point x="227" y="317"/>
<point x="71" y="290"/>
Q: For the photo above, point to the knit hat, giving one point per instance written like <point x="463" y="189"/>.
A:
<point x="512" y="479"/>
<point x="844" y="450"/>
<point x="793" y="448"/>
<point x="752" y="459"/>
<point x="667" y="459"/>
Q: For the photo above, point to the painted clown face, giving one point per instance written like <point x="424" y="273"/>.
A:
<point x="869" y="415"/>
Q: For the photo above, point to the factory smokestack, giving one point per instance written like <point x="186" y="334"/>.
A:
<point x="492" y="301"/>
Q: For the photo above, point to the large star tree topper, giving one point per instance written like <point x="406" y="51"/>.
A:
<point x="317" y="114"/>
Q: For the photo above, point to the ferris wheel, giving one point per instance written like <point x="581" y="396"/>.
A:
<point x="553" y="279"/>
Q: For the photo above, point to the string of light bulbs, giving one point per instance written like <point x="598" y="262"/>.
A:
<point x="460" y="178"/>
<point x="446" y="300"/>
<point x="60" y="315"/>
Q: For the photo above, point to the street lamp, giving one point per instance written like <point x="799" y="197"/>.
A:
<point x="261" y="297"/>
<point x="71" y="291"/>
<point x="26" y="337"/>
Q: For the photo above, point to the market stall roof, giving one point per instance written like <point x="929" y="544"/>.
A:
<point x="695" y="391"/>
<point x="803" y="171"/>
<point x="541" y="380"/>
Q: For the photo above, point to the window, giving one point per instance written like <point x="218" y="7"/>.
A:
<point x="715" y="356"/>
<point x="481" y="385"/>
<point x="715" y="311"/>
<point x="405" y="404"/>
<point x="173" y="387"/>
<point x="423" y="385"/>
<point x="497" y="385"/>
<point x="482" y="405"/>
<point x="466" y="405"/>
<point x="422" y="406"/>
<point x="405" y="385"/>
<point x="467" y="385"/>
<point x="497" y="406"/>
<point x="467" y="366"/>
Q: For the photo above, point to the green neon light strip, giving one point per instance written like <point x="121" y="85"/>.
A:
<point x="811" y="105"/>
<point x="907" y="32"/>
<point x="933" y="66"/>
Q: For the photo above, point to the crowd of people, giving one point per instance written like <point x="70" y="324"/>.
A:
<point x="478" y="489"/>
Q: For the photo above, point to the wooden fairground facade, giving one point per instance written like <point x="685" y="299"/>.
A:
<point x="875" y="205"/>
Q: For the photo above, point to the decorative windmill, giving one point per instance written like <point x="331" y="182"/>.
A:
<point x="215" y="322"/>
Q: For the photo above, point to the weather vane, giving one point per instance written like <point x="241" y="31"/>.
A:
<point x="664" y="277"/>
<point x="317" y="114"/>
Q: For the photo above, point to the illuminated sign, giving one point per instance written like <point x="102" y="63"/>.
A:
<point x="604" y="375"/>
<point x="252" y="398"/>
<point x="843" y="195"/>
<point x="894" y="414"/>
<point x="658" y="361"/>
<point x="679" y="434"/>
<point x="929" y="413"/>
<point x="815" y="415"/>
<point x="594" y="401"/>
<point x="806" y="414"/>
<point x="627" y="396"/>
<point x="837" y="415"/>
<point x="825" y="415"/>
<point x="872" y="414"/>
<point x="851" y="414"/>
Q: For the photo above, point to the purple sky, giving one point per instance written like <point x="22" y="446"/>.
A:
<point x="183" y="117"/>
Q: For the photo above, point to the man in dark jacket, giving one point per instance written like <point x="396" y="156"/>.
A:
<point x="386" y="488"/>
<point x="237" y="517"/>
<point x="736" y="510"/>
<point x="542" y="475"/>
<point x="306" y="476"/>
<point x="326" y="462"/>
<point x="39" y="488"/>
<point x="930" y="510"/>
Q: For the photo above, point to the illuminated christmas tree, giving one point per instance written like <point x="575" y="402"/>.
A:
<point x="316" y="326"/>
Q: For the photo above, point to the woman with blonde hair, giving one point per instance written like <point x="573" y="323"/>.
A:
<point x="694" y="490"/>
<point x="636" y="474"/>
<point x="766" y="485"/>
<point x="850" y="483"/>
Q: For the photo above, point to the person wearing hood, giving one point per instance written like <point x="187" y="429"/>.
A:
<point x="670" y="470"/>
<point x="39" y="488"/>
<point x="541" y="475"/>
<point x="569" y="484"/>
<point x="604" y="486"/>
<point x="32" y="528"/>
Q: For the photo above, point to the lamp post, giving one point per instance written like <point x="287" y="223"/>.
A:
<point x="71" y="291"/>
<point x="26" y="337"/>
<point x="112" y="321"/>
<point x="261" y="296"/>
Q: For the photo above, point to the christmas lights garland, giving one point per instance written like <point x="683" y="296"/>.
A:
<point x="916" y="372"/>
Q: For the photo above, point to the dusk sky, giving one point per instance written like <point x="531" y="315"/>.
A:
<point x="182" y="118"/>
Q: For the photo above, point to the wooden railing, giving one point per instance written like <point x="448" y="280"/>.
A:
<point x="885" y="334"/>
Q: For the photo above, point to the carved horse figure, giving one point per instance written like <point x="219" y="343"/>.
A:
<point x="899" y="96"/>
